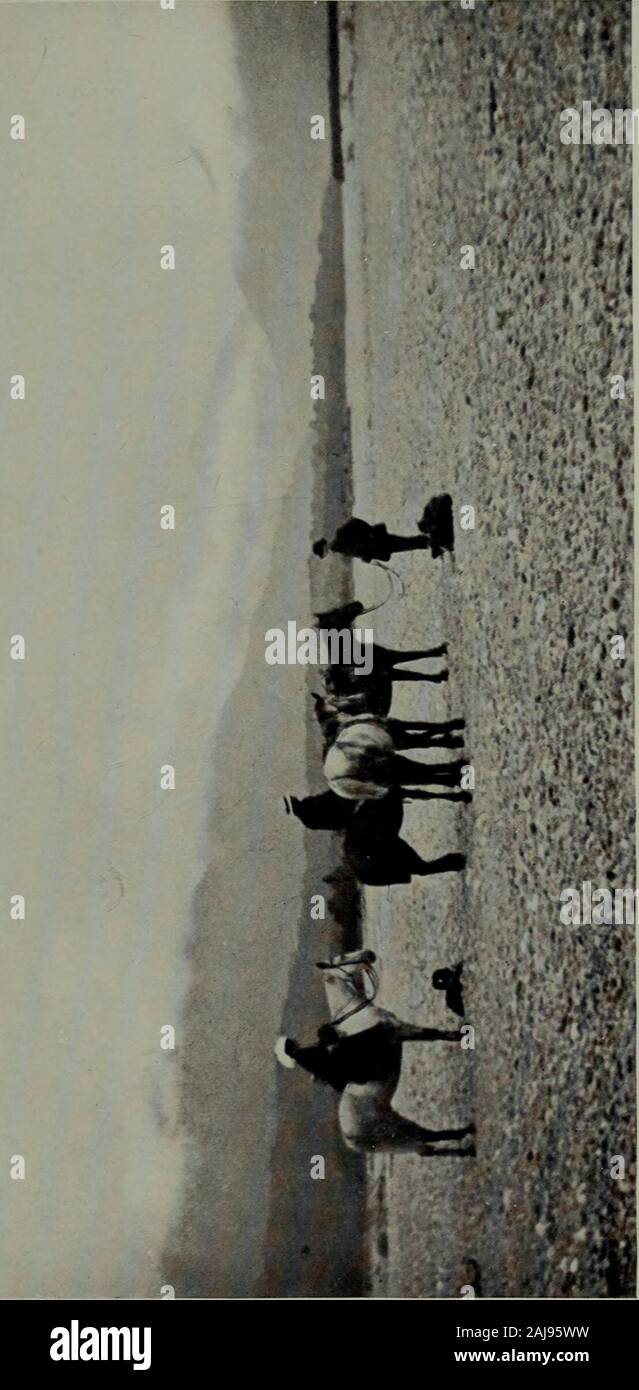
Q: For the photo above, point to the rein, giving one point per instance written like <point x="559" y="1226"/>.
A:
<point x="388" y="570"/>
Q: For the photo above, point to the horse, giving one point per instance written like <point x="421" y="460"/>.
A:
<point x="374" y="850"/>
<point x="375" y="543"/>
<point x="345" y="614"/>
<point x="370" y="695"/>
<point x="346" y="678"/>
<point x="367" y="1043"/>
<point x="363" y="763"/>
<point x="334" y="711"/>
<point x="340" y="677"/>
<point x="371" y="844"/>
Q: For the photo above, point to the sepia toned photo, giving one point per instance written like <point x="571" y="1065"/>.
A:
<point x="318" y="975"/>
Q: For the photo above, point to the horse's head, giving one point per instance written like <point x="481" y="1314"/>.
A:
<point x="349" y="978"/>
<point x="324" y="704"/>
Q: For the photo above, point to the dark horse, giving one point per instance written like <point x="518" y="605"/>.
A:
<point x="371" y="843"/>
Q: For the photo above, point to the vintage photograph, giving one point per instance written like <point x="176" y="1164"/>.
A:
<point x="318" y="974"/>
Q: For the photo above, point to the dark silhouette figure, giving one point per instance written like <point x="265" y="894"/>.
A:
<point x="343" y="616"/>
<point x="340" y="1060"/>
<point x="409" y="772"/>
<point x="360" y="540"/>
<point x="341" y="677"/>
<point x="437" y="524"/>
<point x="374" y="851"/>
<point x="344" y="678"/>
<point x="423" y="733"/>
<point x="325" y="812"/>
<point x="384" y="658"/>
<point x="450" y="980"/>
<point x="371" y="845"/>
<point x="397" y="863"/>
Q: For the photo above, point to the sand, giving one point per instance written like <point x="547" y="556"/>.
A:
<point x="492" y="385"/>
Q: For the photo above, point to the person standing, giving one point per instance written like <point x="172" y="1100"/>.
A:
<point x="360" y="540"/>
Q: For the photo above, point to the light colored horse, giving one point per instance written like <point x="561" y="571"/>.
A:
<point x="355" y="764"/>
<point x="367" y="1119"/>
<point x="334" y="712"/>
<point x="363" y="763"/>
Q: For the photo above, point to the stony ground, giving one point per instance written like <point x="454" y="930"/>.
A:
<point x="493" y="384"/>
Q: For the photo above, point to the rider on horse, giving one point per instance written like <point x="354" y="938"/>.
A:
<point x="341" y="1061"/>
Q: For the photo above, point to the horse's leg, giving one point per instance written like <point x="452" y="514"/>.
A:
<point x="409" y="771"/>
<point x="401" y="1135"/>
<point x="447" y="734"/>
<point x="434" y="1135"/>
<point x="419" y="794"/>
<point x="426" y="733"/>
<point x="428" y="1152"/>
<point x="395" y="658"/>
<point x="432" y="726"/>
<point x="412" y="1032"/>
<point x="411" y="737"/>
<point x="447" y="864"/>
<point x="418" y="676"/>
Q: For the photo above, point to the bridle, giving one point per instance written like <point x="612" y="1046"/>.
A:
<point x="373" y="979"/>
